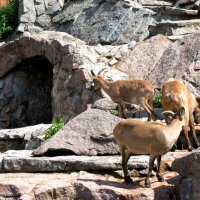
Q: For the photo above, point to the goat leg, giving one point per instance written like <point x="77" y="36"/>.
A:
<point x="158" y="175"/>
<point x="149" y="110"/>
<point x="191" y="123"/>
<point x="151" y="163"/>
<point x="125" y="158"/>
<point x="153" y="114"/>
<point x="185" y="131"/>
<point x="122" y="110"/>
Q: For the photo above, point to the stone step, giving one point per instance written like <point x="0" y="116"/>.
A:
<point x="168" y="10"/>
<point x="180" y="23"/>
<point x="176" y="28"/>
<point x="29" y="137"/>
<point x="179" y="11"/>
<point x="23" y="132"/>
<point x="155" y="3"/>
<point x="22" y="161"/>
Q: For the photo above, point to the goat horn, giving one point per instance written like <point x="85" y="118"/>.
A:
<point x="169" y="112"/>
<point x="100" y="73"/>
<point x="92" y="72"/>
<point x="110" y="78"/>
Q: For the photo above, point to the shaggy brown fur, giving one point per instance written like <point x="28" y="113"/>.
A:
<point x="156" y="139"/>
<point x="175" y="94"/>
<point x="139" y="92"/>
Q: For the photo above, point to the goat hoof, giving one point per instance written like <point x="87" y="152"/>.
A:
<point x="160" y="178"/>
<point x="147" y="183"/>
<point x="128" y="179"/>
<point x="190" y="148"/>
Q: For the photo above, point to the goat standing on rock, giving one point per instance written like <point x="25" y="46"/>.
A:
<point x="175" y="94"/>
<point x="139" y="92"/>
<point x="156" y="139"/>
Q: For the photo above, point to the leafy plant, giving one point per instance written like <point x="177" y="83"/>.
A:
<point x="114" y="112"/>
<point x="52" y="130"/>
<point x="8" y="19"/>
<point x="157" y="100"/>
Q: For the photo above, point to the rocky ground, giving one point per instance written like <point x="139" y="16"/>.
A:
<point x="90" y="184"/>
<point x="82" y="186"/>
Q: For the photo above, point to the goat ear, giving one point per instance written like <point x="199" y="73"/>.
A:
<point x="93" y="74"/>
<point x="198" y="100"/>
<point x="181" y="111"/>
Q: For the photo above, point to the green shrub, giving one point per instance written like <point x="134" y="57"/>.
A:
<point x="157" y="100"/>
<point x="114" y="112"/>
<point x="8" y="19"/>
<point x="52" y="130"/>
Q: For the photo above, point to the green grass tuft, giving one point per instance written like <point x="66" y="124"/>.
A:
<point x="52" y="130"/>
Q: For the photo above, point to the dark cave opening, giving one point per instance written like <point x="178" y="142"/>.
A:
<point x="32" y="87"/>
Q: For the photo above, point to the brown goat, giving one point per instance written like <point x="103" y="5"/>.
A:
<point x="139" y="92"/>
<point x="156" y="139"/>
<point x="175" y="94"/>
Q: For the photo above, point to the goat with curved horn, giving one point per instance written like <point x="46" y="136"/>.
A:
<point x="139" y="92"/>
<point x="153" y="138"/>
<point x="102" y="72"/>
<point x="92" y="72"/>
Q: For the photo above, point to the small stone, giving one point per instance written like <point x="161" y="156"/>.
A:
<point x="28" y="17"/>
<point x="44" y="20"/>
<point x="40" y="9"/>
<point x="197" y="66"/>
<point x="35" y="29"/>
<point x="21" y="27"/>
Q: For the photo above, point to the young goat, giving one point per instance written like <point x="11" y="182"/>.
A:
<point x="139" y="92"/>
<point x="156" y="139"/>
<point x="175" y="94"/>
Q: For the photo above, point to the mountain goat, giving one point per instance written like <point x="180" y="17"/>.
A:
<point x="156" y="139"/>
<point x="175" y="94"/>
<point x="139" y="92"/>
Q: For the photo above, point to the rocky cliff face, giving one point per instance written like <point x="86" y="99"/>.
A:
<point x="108" y="22"/>
<point x="67" y="63"/>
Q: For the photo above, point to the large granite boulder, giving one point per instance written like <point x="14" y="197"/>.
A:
<point x="108" y="22"/>
<point x="180" y="60"/>
<point x="188" y="167"/>
<point x="140" y="61"/>
<point x="90" y="133"/>
<point x="163" y="59"/>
